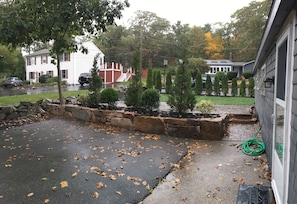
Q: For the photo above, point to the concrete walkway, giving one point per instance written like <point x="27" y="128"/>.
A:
<point x="62" y="161"/>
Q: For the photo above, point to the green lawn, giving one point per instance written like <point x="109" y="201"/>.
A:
<point x="221" y="100"/>
<point x="11" y="100"/>
<point x="218" y="100"/>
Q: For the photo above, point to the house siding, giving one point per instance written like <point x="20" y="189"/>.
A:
<point x="292" y="188"/>
<point x="264" y="107"/>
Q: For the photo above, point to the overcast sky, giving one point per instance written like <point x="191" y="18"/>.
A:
<point x="192" y="12"/>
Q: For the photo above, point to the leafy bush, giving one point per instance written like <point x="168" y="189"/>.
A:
<point x="251" y="87"/>
<point x="234" y="89"/>
<point x="225" y="87"/>
<point x="133" y="94"/>
<point x="231" y="75"/>
<point x="242" y="88"/>
<point x="198" y="84"/>
<point x="150" y="99"/>
<point x="208" y="85"/>
<point x="247" y="74"/>
<point x="43" y="78"/>
<point x="216" y="86"/>
<point x="83" y="99"/>
<point x="51" y="80"/>
<point x="110" y="96"/>
<point x="205" y="106"/>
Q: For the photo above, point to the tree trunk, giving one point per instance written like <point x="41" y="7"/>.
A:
<point x="61" y="98"/>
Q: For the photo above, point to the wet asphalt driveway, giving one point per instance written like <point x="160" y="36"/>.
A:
<point x="62" y="161"/>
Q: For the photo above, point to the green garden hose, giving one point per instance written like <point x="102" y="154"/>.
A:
<point x="253" y="147"/>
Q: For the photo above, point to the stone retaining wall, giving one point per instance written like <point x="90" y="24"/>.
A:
<point x="24" y="109"/>
<point x="203" y="128"/>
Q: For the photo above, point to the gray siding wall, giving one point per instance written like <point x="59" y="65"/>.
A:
<point x="292" y="198"/>
<point x="264" y="106"/>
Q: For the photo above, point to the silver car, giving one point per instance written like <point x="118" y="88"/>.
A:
<point x="13" y="81"/>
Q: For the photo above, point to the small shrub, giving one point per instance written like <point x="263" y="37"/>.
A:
<point x="242" y="88"/>
<point x="150" y="99"/>
<point x="133" y="94"/>
<point x="205" y="106"/>
<point x="110" y="96"/>
<point x="231" y="75"/>
<point x="43" y="78"/>
<point x="83" y="99"/>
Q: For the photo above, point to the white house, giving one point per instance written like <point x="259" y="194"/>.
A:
<point x="72" y="65"/>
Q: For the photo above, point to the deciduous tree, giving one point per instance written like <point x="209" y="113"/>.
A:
<point x="24" y="22"/>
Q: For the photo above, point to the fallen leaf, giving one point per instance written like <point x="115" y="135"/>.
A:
<point x="44" y="179"/>
<point x="30" y="194"/>
<point x="46" y="201"/>
<point x="74" y="174"/>
<point x="112" y="177"/>
<point x="54" y="188"/>
<point x="99" y="185"/>
<point x="64" y="184"/>
<point x="162" y="166"/>
<point x="95" y="195"/>
<point x="238" y="180"/>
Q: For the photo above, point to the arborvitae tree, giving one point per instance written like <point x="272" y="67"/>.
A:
<point x="158" y="81"/>
<point x="95" y="84"/>
<point x="217" y="86"/>
<point x="225" y="87"/>
<point x="154" y="76"/>
<point x="150" y="99"/>
<point x="134" y="91"/>
<point x="234" y="90"/>
<point x="149" y="79"/>
<point x="251" y="87"/>
<point x="208" y="85"/>
<point x="242" y="88"/>
<point x="182" y="98"/>
<point x="198" y="85"/>
<point x="168" y="87"/>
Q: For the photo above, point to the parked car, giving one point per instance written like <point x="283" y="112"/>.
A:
<point x="12" y="81"/>
<point x="84" y="78"/>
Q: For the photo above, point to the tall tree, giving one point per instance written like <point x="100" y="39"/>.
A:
<point x="247" y="25"/>
<point x="12" y="62"/>
<point x="214" y="48"/>
<point x="197" y="42"/>
<point x="150" y="29"/>
<point x="24" y="22"/>
<point x="197" y="64"/>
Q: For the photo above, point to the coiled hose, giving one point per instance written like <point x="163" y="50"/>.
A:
<point x="253" y="147"/>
